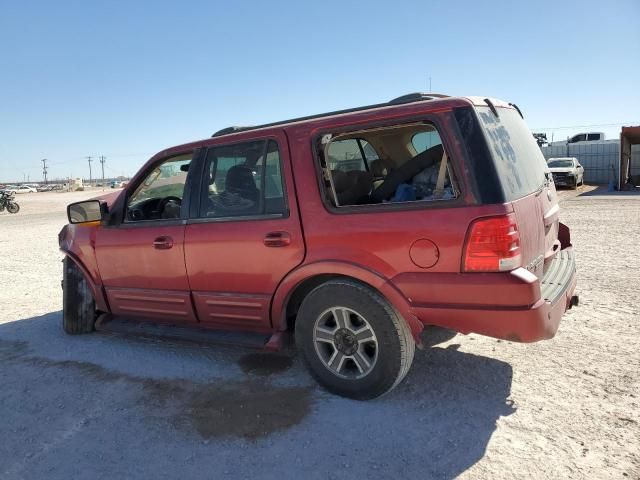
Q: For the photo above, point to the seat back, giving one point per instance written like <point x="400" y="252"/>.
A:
<point x="406" y="172"/>
<point x="351" y="187"/>
<point x="239" y="180"/>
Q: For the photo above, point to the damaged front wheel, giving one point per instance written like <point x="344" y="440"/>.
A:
<point x="78" y="305"/>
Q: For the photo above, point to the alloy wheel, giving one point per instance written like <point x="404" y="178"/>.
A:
<point x="345" y="343"/>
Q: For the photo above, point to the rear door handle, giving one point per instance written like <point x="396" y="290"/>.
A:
<point x="277" y="239"/>
<point x="163" y="243"/>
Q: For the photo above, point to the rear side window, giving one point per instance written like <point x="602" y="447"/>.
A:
<point x="243" y="180"/>
<point x="518" y="160"/>
<point x="593" y="136"/>
<point x="384" y="165"/>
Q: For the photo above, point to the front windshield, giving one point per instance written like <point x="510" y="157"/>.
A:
<point x="561" y="163"/>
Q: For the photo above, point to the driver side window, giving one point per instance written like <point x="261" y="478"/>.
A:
<point x="159" y="196"/>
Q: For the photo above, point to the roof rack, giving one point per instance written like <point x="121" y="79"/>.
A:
<point x="409" y="98"/>
<point x="416" y="97"/>
<point x="229" y="130"/>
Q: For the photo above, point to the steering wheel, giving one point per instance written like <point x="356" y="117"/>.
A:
<point x="165" y="201"/>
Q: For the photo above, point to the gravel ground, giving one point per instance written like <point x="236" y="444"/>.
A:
<point x="103" y="406"/>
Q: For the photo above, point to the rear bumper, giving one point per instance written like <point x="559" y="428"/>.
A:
<point x="520" y="324"/>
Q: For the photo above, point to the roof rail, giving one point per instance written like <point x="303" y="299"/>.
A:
<point x="409" y="98"/>
<point x="228" y="130"/>
<point x="416" y="97"/>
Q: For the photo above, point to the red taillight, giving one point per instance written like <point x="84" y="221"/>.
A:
<point x="493" y="245"/>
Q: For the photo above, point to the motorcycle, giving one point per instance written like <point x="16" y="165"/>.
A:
<point x="7" y="200"/>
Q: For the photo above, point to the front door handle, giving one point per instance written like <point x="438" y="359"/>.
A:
<point x="163" y="243"/>
<point x="277" y="239"/>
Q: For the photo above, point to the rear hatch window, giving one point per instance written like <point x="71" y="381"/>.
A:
<point x="518" y="160"/>
<point x="521" y="171"/>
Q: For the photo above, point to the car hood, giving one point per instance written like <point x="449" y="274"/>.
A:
<point x="562" y="170"/>
<point x="108" y="198"/>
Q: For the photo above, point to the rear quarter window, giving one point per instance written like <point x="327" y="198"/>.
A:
<point x="519" y="162"/>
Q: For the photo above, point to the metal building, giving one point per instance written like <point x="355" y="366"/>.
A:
<point x="601" y="160"/>
<point x="630" y="156"/>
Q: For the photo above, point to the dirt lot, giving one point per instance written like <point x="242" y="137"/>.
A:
<point x="101" y="406"/>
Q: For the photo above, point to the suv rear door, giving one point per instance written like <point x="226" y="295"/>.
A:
<point x="245" y="234"/>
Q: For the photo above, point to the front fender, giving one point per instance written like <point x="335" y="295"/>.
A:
<point x="346" y="269"/>
<point x="78" y="243"/>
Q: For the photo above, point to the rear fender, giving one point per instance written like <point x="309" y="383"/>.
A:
<point x="341" y="269"/>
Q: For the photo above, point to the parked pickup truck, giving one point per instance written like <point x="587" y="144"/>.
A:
<point x="352" y="229"/>
<point x="566" y="171"/>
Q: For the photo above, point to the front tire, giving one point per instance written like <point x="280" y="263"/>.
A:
<point x="78" y="305"/>
<point x="13" y="207"/>
<point x="353" y="341"/>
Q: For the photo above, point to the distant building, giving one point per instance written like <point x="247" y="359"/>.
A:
<point x="600" y="158"/>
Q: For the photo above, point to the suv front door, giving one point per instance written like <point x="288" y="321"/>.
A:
<point x="245" y="235"/>
<point x="141" y="257"/>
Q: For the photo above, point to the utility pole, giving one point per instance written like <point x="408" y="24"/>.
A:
<point x="102" y="159"/>
<point x="89" y="159"/>
<point x="44" y="169"/>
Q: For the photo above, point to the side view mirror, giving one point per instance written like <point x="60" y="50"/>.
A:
<point x="87" y="211"/>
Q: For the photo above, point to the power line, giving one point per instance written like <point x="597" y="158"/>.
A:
<point x="89" y="160"/>
<point x="102" y="159"/>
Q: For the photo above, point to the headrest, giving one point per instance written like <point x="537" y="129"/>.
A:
<point x="240" y="179"/>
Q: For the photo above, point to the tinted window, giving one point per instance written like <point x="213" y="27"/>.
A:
<point x="519" y="162"/>
<point x="369" y="152"/>
<point x="239" y="181"/>
<point x="424" y="140"/>
<point x="578" y="138"/>
<point x="273" y="182"/>
<point x="345" y="155"/>
<point x="593" y="136"/>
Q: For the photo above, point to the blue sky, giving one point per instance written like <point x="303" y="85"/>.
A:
<point x="126" y="79"/>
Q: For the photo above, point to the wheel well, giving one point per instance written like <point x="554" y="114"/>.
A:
<point x="99" y="300"/>
<point x="304" y="288"/>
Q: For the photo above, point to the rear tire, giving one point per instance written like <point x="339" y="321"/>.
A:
<point x="353" y="341"/>
<point x="78" y="305"/>
<point x="13" y="207"/>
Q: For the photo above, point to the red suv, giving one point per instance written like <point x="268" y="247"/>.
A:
<point x="354" y="229"/>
